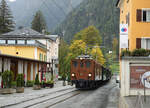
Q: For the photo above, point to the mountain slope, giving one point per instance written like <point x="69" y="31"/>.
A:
<point x="101" y="13"/>
<point x="54" y="11"/>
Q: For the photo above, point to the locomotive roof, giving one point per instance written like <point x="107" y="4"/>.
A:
<point x="84" y="57"/>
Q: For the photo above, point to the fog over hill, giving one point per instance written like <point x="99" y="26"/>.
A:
<point x="54" y="11"/>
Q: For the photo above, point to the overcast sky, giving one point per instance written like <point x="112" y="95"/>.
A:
<point x="12" y="0"/>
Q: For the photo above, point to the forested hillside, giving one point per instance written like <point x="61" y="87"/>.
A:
<point x="54" y="11"/>
<point x="101" y="13"/>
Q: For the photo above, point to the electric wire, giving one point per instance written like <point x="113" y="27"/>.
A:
<point x="59" y="7"/>
<point x="52" y="14"/>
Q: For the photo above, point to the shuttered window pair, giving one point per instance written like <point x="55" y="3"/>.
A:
<point x="143" y="15"/>
<point x="139" y="42"/>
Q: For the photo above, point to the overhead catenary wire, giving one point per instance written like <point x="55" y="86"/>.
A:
<point x="59" y="7"/>
<point x="52" y="14"/>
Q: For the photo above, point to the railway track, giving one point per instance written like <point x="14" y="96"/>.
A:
<point x="46" y="100"/>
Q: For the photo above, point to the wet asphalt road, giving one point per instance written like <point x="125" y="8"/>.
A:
<point x="106" y="96"/>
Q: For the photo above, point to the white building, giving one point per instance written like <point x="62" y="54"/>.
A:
<point x="52" y="44"/>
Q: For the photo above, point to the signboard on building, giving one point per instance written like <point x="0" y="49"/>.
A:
<point x="138" y="75"/>
<point x="146" y="78"/>
<point x="123" y="35"/>
<point x="124" y="29"/>
<point x="123" y="41"/>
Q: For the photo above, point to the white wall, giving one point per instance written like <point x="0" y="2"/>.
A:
<point x="6" y="64"/>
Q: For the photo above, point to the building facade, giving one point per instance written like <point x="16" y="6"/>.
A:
<point x="136" y="13"/>
<point x="52" y="45"/>
<point x="135" y="70"/>
<point x="21" y="52"/>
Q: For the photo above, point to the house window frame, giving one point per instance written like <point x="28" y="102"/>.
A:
<point x="11" y="42"/>
<point x="145" y="9"/>
<point x="144" y="42"/>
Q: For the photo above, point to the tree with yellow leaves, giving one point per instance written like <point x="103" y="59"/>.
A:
<point x="98" y="55"/>
<point x="77" y="47"/>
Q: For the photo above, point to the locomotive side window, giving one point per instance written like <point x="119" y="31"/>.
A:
<point x="88" y="64"/>
<point x="81" y="64"/>
<point x="75" y="63"/>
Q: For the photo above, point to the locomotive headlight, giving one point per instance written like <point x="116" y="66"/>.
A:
<point x="73" y="75"/>
<point x="90" y="75"/>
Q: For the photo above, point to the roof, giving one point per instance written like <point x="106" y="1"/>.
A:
<point x="23" y="58"/>
<point x="117" y="3"/>
<point x="23" y="33"/>
<point x="53" y="37"/>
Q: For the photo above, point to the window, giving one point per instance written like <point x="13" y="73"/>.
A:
<point x="75" y="63"/>
<point x="2" y="41"/>
<point x="148" y="44"/>
<point x="45" y="58"/>
<point x="88" y="64"/>
<point x="145" y="43"/>
<point x="81" y="64"/>
<point x="146" y="15"/>
<point x="20" y="41"/>
<point x="143" y="15"/>
<point x="128" y="19"/>
<point x="40" y="56"/>
<point x="11" y="41"/>
<point x="31" y="42"/>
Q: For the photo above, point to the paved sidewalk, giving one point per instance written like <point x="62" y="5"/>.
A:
<point x="133" y="102"/>
<point x="30" y="94"/>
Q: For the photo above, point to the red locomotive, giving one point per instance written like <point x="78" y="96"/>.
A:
<point x="87" y="73"/>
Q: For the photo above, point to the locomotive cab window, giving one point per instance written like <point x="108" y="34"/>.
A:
<point x="88" y="64"/>
<point x="81" y="64"/>
<point x="75" y="63"/>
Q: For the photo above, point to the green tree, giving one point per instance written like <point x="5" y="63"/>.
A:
<point x="90" y="36"/>
<point x="63" y="52"/>
<point x="6" y="18"/>
<point x="38" y="22"/>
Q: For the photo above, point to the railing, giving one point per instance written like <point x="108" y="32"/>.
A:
<point x="139" y="101"/>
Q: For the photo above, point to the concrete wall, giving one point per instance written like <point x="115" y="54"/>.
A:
<point x="126" y="90"/>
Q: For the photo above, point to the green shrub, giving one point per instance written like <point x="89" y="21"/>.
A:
<point x="125" y="53"/>
<point x="140" y="52"/>
<point x="37" y="82"/>
<point x="42" y="82"/>
<point x="30" y="83"/>
<point x="7" y="78"/>
<point x="50" y="82"/>
<point x="13" y="84"/>
<point x="20" y="80"/>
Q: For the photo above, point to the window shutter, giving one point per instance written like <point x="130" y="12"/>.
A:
<point x="138" y="43"/>
<point x="139" y="15"/>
